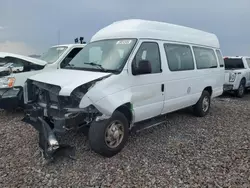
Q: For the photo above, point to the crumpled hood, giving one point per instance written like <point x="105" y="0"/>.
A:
<point x="3" y="69"/>
<point x="22" y="57"/>
<point x="68" y="80"/>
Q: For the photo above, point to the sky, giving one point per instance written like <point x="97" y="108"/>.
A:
<point x="31" y="27"/>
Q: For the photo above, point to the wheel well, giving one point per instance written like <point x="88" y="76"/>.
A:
<point x="244" y="80"/>
<point x="126" y="110"/>
<point x="209" y="89"/>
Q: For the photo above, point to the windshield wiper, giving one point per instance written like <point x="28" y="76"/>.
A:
<point x="95" y="64"/>
<point x="69" y="66"/>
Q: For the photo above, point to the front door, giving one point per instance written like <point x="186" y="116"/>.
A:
<point x="147" y="89"/>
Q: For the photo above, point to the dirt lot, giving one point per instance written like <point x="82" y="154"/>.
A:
<point x="185" y="152"/>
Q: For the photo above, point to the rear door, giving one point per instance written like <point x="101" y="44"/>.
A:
<point x="180" y="80"/>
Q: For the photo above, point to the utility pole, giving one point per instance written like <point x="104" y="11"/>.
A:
<point x="58" y="36"/>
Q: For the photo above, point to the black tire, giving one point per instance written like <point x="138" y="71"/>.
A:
<point x="21" y="100"/>
<point x="198" y="107"/>
<point x="241" y="90"/>
<point x="97" y="132"/>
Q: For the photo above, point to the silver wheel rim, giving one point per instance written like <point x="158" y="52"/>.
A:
<point x="241" y="89"/>
<point x="114" y="134"/>
<point x="205" y="104"/>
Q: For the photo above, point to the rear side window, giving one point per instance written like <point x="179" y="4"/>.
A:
<point x="179" y="57"/>
<point x="248" y="62"/>
<point x="233" y="63"/>
<point x="220" y="58"/>
<point x="205" y="58"/>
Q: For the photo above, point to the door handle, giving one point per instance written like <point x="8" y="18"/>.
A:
<point x="162" y="87"/>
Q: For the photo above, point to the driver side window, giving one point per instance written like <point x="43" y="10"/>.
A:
<point x="69" y="57"/>
<point x="150" y="52"/>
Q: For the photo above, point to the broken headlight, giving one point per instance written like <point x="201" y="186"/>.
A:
<point x="7" y="82"/>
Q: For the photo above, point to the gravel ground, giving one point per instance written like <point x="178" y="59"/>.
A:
<point x="187" y="151"/>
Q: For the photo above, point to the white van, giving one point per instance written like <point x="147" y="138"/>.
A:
<point x="15" y="69"/>
<point x="237" y="76"/>
<point x="131" y="72"/>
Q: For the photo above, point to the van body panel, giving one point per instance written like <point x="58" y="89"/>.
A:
<point x="139" y="70"/>
<point x="144" y="92"/>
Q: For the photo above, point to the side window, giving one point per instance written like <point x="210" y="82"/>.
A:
<point x="149" y="51"/>
<point x="179" y="57"/>
<point x="220" y="58"/>
<point x="248" y="62"/>
<point x="205" y="58"/>
<point x="69" y="57"/>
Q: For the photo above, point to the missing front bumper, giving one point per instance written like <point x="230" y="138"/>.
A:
<point x="50" y="122"/>
<point x="48" y="141"/>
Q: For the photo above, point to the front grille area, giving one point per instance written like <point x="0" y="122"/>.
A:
<point x="43" y="93"/>
<point x="49" y="94"/>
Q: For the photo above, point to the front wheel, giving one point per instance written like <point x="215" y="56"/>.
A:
<point x="201" y="108"/>
<point x="109" y="137"/>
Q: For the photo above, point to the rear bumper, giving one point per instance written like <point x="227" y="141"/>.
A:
<point x="10" y="98"/>
<point x="228" y="87"/>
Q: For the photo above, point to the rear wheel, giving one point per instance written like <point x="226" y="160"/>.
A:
<point x="201" y="108"/>
<point x="241" y="90"/>
<point x="109" y="137"/>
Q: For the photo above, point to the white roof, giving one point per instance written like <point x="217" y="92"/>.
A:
<point x="236" y="57"/>
<point x="70" y="45"/>
<point x="136" y="28"/>
<point x="25" y="58"/>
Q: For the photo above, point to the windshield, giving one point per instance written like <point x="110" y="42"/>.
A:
<point x="105" y="56"/>
<point x="233" y="63"/>
<point x="53" y="54"/>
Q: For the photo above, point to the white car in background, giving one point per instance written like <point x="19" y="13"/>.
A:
<point x="237" y="74"/>
<point x="15" y="69"/>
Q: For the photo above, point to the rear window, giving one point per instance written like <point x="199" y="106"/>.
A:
<point x="233" y="63"/>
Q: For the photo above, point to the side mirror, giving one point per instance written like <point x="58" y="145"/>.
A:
<point x="144" y="67"/>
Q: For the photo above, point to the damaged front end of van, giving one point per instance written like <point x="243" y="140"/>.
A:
<point x="52" y="114"/>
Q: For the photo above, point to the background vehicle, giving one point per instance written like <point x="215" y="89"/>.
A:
<point x="129" y="75"/>
<point x="237" y="74"/>
<point x="15" y="69"/>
